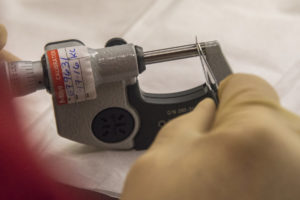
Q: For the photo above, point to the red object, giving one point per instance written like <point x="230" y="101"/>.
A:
<point x="57" y="77"/>
<point x="21" y="176"/>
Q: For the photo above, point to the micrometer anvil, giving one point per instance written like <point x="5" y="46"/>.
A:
<point x="96" y="94"/>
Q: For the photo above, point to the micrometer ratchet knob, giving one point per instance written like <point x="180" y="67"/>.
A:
<point x="23" y="77"/>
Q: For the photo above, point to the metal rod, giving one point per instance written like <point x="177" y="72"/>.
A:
<point x="173" y="53"/>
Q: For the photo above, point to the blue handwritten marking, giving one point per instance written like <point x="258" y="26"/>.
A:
<point x="79" y="84"/>
<point x="64" y="58"/>
<point x="67" y="76"/>
<point x="65" y="64"/>
<point x="72" y="75"/>
<point x="66" y="79"/>
<point x="72" y="53"/>
<point x="76" y="66"/>
<point x="67" y="72"/>
<point x="70" y="90"/>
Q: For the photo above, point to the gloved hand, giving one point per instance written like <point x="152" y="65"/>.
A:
<point x="4" y="55"/>
<point x="247" y="148"/>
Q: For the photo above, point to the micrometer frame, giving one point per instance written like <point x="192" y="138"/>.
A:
<point x="121" y="90"/>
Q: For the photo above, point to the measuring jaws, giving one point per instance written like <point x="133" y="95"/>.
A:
<point x="96" y="94"/>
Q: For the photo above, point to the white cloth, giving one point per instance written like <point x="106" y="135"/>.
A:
<point x="257" y="36"/>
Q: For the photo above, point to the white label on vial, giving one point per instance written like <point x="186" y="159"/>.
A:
<point x="72" y="75"/>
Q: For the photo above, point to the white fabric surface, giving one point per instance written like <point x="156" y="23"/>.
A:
<point x="257" y="36"/>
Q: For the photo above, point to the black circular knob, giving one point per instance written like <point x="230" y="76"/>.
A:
<point x="113" y="125"/>
<point x="115" y="42"/>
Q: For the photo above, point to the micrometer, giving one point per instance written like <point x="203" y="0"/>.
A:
<point x="96" y="95"/>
